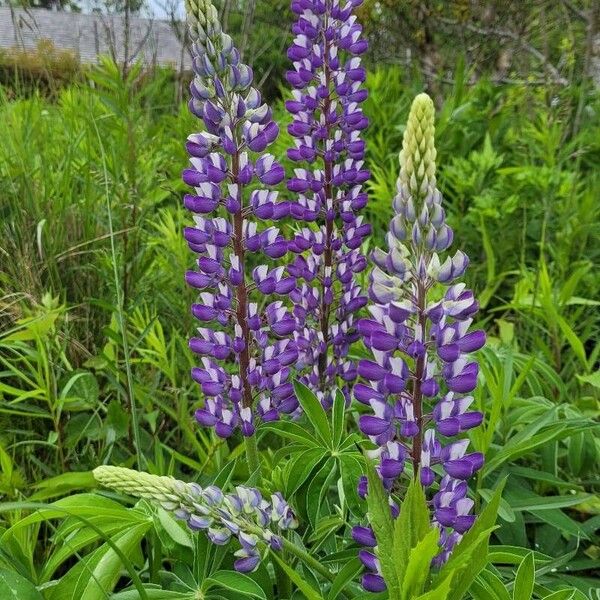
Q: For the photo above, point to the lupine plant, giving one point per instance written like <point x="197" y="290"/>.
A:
<point x="244" y="514"/>
<point x="420" y="374"/>
<point x="327" y="120"/>
<point x="237" y="324"/>
<point x="265" y="324"/>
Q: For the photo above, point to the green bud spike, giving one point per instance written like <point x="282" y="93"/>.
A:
<point x="164" y="490"/>
<point x="417" y="158"/>
<point x="203" y="18"/>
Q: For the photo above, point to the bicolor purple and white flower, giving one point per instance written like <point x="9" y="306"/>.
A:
<point x="327" y="80"/>
<point x="255" y="522"/>
<point x="245" y="339"/>
<point x="418" y="381"/>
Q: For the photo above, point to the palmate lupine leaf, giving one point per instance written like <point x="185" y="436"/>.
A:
<point x="98" y="573"/>
<point x="416" y="573"/>
<point x="411" y="527"/>
<point x="314" y="411"/>
<point x="301" y="583"/>
<point x="236" y="582"/>
<point x="525" y="579"/>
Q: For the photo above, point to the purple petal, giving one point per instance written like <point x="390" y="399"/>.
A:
<point x="368" y="559"/>
<point x="472" y="341"/>
<point x="371" y="370"/>
<point x="364" y="393"/>
<point x="463" y="383"/>
<point x="370" y="425"/>
<point x="364" y="536"/>
<point x="205" y="418"/>
<point x="246" y="565"/>
<point x="373" y="583"/>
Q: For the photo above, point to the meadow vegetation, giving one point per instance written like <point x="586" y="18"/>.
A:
<point x="94" y="321"/>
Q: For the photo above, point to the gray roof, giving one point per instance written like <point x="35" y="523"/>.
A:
<point x="90" y="35"/>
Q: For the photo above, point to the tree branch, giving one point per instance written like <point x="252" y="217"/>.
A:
<point x="511" y="35"/>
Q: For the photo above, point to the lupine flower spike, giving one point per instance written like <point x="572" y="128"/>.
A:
<point x="245" y="515"/>
<point x="237" y="327"/>
<point x="327" y="122"/>
<point x="418" y="381"/>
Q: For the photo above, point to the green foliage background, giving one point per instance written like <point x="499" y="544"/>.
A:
<point x="94" y="318"/>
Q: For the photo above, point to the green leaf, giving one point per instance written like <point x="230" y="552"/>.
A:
<point x="156" y="593"/>
<point x="83" y="505"/>
<point x="224" y="476"/>
<point x="174" y="529"/>
<point x="560" y="595"/>
<point x="96" y="575"/>
<point x="418" y="567"/>
<point x="351" y="469"/>
<point x="63" y="484"/>
<point x="314" y="411"/>
<point x="236" y="582"/>
<point x="411" y="526"/>
<point x="505" y="510"/>
<point x="74" y="536"/>
<point x="521" y="500"/>
<point x="538" y="475"/>
<point x="512" y="555"/>
<point x="15" y="587"/>
<point x="513" y="451"/>
<point x="81" y="391"/>
<point x="380" y="518"/>
<point x="575" y="343"/>
<point x="559" y="520"/>
<point x="300" y="468"/>
<point x="346" y="574"/>
<point x="440" y="592"/>
<point x="291" y="431"/>
<point x="301" y="584"/>
<point x="525" y="579"/>
<point x="317" y="489"/>
<point x="337" y="417"/>
<point x="593" y="379"/>
<point x="488" y="586"/>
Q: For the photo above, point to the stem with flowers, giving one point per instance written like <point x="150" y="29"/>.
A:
<point x="420" y="348"/>
<point x="235" y="325"/>
<point x="327" y="121"/>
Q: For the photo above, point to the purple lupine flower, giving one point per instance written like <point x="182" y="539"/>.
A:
<point x="327" y="122"/>
<point x="418" y="381"/>
<point x="237" y="328"/>
<point x="245" y="514"/>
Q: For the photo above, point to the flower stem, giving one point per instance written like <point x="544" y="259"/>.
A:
<point x="241" y="294"/>
<point x="307" y="559"/>
<point x="252" y="455"/>
<point x="417" y="393"/>
<point x="328" y="252"/>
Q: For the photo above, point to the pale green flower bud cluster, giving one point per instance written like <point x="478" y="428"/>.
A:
<point x="420" y="220"/>
<point x="417" y="158"/>
<point x="418" y="230"/>
<point x="245" y="514"/>
<point x="203" y="19"/>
